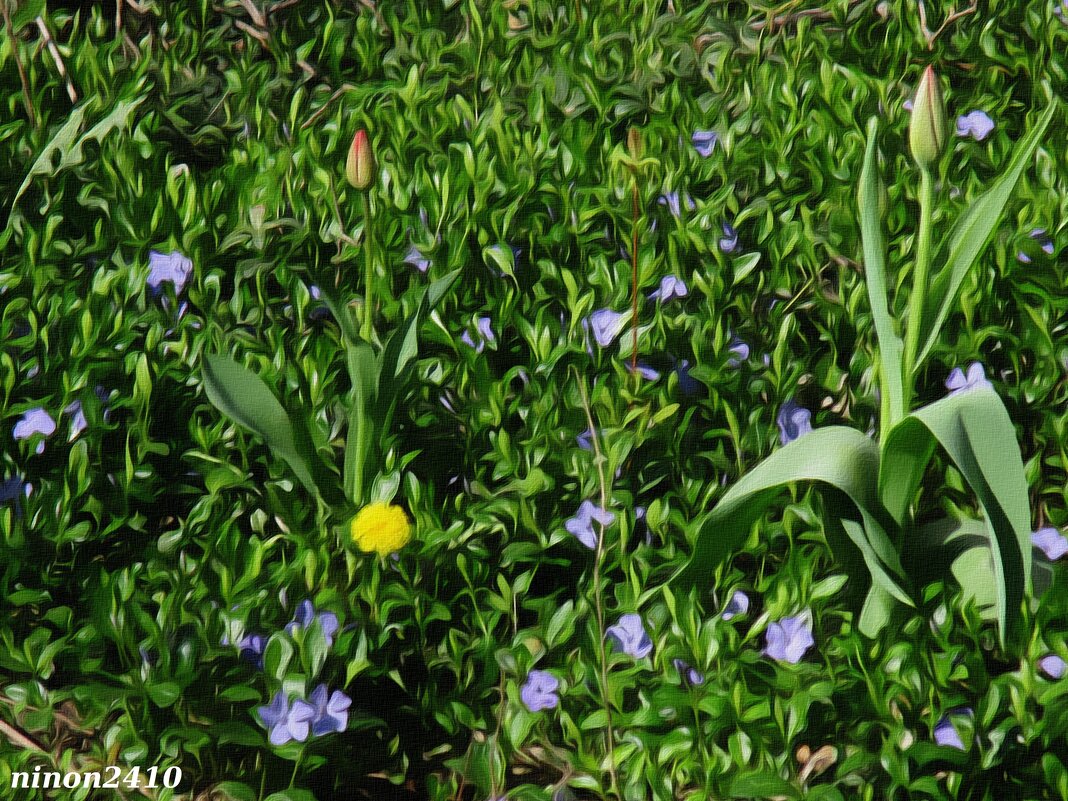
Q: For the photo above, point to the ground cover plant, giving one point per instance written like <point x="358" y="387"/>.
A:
<point x="532" y="400"/>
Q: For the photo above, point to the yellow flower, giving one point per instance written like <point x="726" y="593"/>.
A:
<point x="381" y="527"/>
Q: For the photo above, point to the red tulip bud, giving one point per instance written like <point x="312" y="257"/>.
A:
<point x="360" y="166"/>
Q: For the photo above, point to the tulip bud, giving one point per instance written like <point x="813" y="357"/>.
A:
<point x="927" y="131"/>
<point x="360" y="166"/>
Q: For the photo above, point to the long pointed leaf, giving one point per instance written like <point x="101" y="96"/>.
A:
<point x="841" y="457"/>
<point x="974" y="428"/>
<point x="874" y="246"/>
<point x="972" y="232"/>
<point x="243" y="396"/>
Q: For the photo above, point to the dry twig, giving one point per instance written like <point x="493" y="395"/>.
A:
<point x="53" y="51"/>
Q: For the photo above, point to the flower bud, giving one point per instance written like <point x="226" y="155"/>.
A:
<point x="927" y="131"/>
<point x="360" y="166"/>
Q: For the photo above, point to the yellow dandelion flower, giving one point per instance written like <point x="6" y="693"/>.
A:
<point x="381" y="527"/>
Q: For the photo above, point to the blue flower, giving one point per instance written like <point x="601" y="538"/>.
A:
<point x="728" y="243"/>
<point x="794" y="421"/>
<point x="304" y="617"/>
<point x="35" y="421"/>
<point x="790" y="638"/>
<point x="1053" y="666"/>
<point x="78" y="423"/>
<point x="607" y="325"/>
<point x="646" y="372"/>
<point x="485" y="334"/>
<point x="1051" y="542"/>
<point x="958" y="382"/>
<point x="539" y="691"/>
<point x="945" y="733"/>
<point x="671" y="286"/>
<point x="416" y="259"/>
<point x="12" y="489"/>
<point x="737" y="605"/>
<point x="671" y="200"/>
<point x="585" y="440"/>
<point x="251" y="648"/>
<point x="629" y="636"/>
<point x="581" y="525"/>
<point x="284" y="722"/>
<point x="976" y="124"/>
<point x="173" y="267"/>
<point x="739" y="351"/>
<point x="331" y="713"/>
<point x="704" y="142"/>
<point x="688" y="385"/>
<point x="690" y="676"/>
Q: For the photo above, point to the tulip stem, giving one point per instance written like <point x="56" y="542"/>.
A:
<point x="369" y="268"/>
<point x="920" y="280"/>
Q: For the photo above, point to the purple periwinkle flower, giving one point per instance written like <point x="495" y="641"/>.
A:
<point x="690" y="676"/>
<point x="671" y="200"/>
<point x="646" y="372"/>
<point x="485" y="334"/>
<point x="976" y="124"/>
<point x="173" y="267"/>
<point x="671" y="286"/>
<point x="975" y="378"/>
<point x="739" y="352"/>
<point x="12" y="488"/>
<point x="907" y="105"/>
<point x="284" y="722"/>
<point x="704" y="142"/>
<point x="728" y="243"/>
<point x="628" y="635"/>
<point x="789" y="638"/>
<point x="251" y="648"/>
<point x="1039" y="235"/>
<point x="331" y="711"/>
<point x="539" y="691"/>
<point x="416" y="259"/>
<point x="1051" y="542"/>
<point x="581" y="525"/>
<point x="35" y="421"/>
<point x="78" y="423"/>
<point x="607" y="325"/>
<point x="945" y="733"/>
<point x="585" y="440"/>
<point x="794" y="421"/>
<point x="688" y="385"/>
<point x="1053" y="666"/>
<point x="304" y="617"/>
<point x="737" y="605"/>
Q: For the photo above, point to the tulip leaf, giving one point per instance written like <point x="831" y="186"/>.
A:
<point x="841" y="458"/>
<point x="874" y="246"/>
<point x="971" y="233"/>
<point x="974" y="428"/>
<point x="245" y="398"/>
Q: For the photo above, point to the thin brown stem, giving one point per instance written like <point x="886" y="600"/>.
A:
<point x="27" y="100"/>
<point x="598" y="602"/>
<point x="57" y="58"/>
<point x="634" y="278"/>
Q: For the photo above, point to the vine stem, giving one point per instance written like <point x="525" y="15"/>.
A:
<point x="920" y="280"/>
<point x="634" y="278"/>
<point x="598" y="602"/>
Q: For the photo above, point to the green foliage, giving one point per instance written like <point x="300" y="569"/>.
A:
<point x="132" y="549"/>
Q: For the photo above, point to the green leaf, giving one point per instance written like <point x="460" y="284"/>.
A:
<point x="874" y="246"/>
<point x="962" y="547"/>
<point x="276" y="656"/>
<point x="243" y="396"/>
<point x="233" y="791"/>
<point x="163" y="694"/>
<point x="762" y="785"/>
<point x="292" y="794"/>
<point x="25" y="12"/>
<point x="974" y="428"/>
<point x="67" y="144"/>
<point x="972" y="232"/>
<point x="840" y="457"/>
